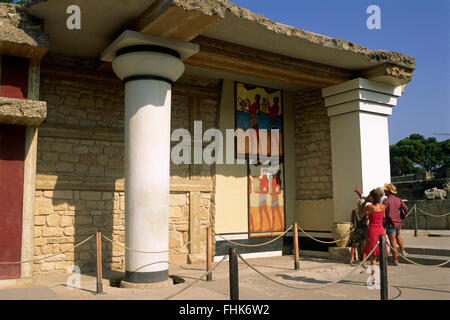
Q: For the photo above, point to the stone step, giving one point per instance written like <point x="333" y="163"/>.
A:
<point x="428" y="251"/>
<point x="426" y="233"/>
<point x="438" y="234"/>
<point x="423" y="259"/>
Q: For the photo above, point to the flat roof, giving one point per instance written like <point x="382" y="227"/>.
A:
<point x="102" y="21"/>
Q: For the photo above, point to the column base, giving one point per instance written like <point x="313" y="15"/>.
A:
<point x="146" y="277"/>
<point x="133" y="285"/>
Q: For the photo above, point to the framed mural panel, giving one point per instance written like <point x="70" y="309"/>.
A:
<point x="258" y="108"/>
<point x="266" y="213"/>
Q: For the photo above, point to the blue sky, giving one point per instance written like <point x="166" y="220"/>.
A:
<point x="418" y="28"/>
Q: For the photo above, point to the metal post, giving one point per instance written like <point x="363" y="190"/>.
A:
<point x="209" y="254"/>
<point x="383" y="268"/>
<point x="234" y="274"/>
<point x="415" y="220"/>
<point x="99" y="264"/>
<point x="295" y="238"/>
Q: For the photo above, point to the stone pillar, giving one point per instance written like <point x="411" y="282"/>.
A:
<point x="148" y="67"/>
<point x="358" y="111"/>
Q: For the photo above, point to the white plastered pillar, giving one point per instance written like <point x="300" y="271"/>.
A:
<point x="148" y="67"/>
<point x="358" y="111"/>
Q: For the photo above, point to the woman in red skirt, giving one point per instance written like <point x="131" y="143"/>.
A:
<point x="376" y="214"/>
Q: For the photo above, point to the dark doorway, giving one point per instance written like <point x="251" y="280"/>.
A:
<point x="12" y="153"/>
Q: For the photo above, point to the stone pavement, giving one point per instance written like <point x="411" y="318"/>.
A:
<point x="441" y="242"/>
<point x="406" y="282"/>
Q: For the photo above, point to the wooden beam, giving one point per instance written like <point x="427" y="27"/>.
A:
<point x="195" y="170"/>
<point x="81" y="132"/>
<point x="195" y="91"/>
<point x="61" y="182"/>
<point x="194" y="222"/>
<point x="94" y="78"/>
<point x="97" y="78"/>
<point x="34" y="73"/>
<point x="170" y="21"/>
<point x="229" y="57"/>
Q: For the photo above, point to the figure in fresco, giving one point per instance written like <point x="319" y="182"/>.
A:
<point x="253" y="184"/>
<point x="275" y="192"/>
<point x="253" y="110"/>
<point x="262" y="203"/>
<point x="274" y="109"/>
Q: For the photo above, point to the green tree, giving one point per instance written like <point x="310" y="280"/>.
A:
<point x="416" y="154"/>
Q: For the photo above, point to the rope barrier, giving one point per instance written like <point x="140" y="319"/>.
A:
<point x="418" y="264"/>
<point x="135" y="250"/>
<point x="196" y="280"/>
<point x="51" y="256"/>
<point x="409" y="212"/>
<point x="432" y="215"/>
<point x="327" y="242"/>
<point x="309" y="288"/>
<point x="253" y="245"/>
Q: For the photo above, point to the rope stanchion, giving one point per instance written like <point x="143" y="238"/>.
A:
<point x="209" y="253"/>
<point x="418" y="264"/>
<point x="99" y="263"/>
<point x="50" y="256"/>
<point x="327" y="242"/>
<point x="253" y="245"/>
<point x="309" y="288"/>
<point x="383" y="268"/>
<point x="296" y="247"/>
<point x="196" y="280"/>
<point x="233" y="274"/>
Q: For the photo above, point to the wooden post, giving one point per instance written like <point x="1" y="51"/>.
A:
<point x="415" y="220"/>
<point x="383" y="268"/>
<point x="295" y="238"/>
<point x="99" y="263"/>
<point x="194" y="224"/>
<point x="209" y="257"/>
<point x="234" y="274"/>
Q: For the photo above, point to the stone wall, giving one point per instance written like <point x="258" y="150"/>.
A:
<point x="412" y="188"/>
<point x="436" y="208"/>
<point x="313" y="147"/>
<point x="80" y="185"/>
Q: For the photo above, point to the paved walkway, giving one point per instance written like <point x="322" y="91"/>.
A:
<point x="425" y="233"/>
<point x="427" y="242"/>
<point x="406" y="282"/>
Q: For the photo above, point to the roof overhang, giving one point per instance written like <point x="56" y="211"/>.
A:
<point x="20" y="35"/>
<point x="230" y="26"/>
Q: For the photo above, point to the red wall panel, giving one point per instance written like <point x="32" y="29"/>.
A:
<point x="12" y="153"/>
<point x="14" y="77"/>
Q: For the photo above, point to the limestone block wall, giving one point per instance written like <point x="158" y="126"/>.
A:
<point x="80" y="184"/>
<point x="313" y="147"/>
<point x="314" y="185"/>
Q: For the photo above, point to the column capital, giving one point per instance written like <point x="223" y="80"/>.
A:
<point x="135" y="55"/>
<point x="361" y="95"/>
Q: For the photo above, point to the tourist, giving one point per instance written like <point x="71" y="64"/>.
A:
<point x="358" y="192"/>
<point x="393" y="219"/>
<point x="359" y="233"/>
<point x="376" y="213"/>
